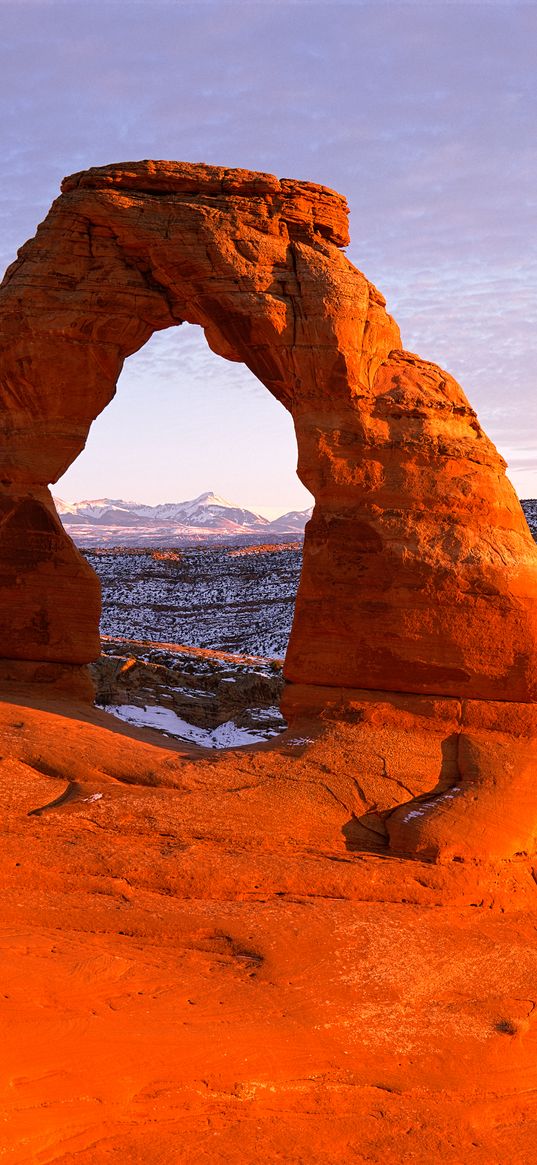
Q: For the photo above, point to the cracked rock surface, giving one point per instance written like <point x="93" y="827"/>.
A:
<point x="221" y="960"/>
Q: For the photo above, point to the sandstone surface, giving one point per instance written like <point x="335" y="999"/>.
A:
<point x="220" y="961"/>
<point x="419" y="571"/>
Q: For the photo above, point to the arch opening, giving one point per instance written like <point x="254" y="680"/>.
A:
<point x="183" y="420"/>
<point x="215" y="582"/>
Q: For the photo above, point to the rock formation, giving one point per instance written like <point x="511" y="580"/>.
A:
<point x="419" y="572"/>
<point x="313" y="950"/>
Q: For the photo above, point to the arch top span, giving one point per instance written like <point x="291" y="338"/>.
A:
<point x="315" y="207"/>
<point x="419" y="573"/>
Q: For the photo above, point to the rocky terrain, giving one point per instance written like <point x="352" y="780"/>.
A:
<point x="220" y="960"/>
<point x="213" y="698"/>
<point x="194" y="640"/>
<point x="201" y="597"/>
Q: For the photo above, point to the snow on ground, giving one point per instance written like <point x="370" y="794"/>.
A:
<point x="205" y="598"/>
<point x="227" y="735"/>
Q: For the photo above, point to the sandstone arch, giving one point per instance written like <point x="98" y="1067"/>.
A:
<point x="420" y="574"/>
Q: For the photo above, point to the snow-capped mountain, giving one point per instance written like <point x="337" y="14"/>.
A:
<point x="206" y="510"/>
<point x="114" y="521"/>
<point x="291" y="523"/>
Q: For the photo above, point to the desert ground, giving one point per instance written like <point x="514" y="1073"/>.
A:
<point x="218" y="962"/>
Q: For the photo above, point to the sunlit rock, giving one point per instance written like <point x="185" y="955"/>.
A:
<point x="419" y="572"/>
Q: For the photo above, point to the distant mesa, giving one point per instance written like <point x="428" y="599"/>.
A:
<point x="205" y="518"/>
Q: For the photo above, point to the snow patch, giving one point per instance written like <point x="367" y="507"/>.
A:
<point x="227" y="735"/>
<point x="447" y="796"/>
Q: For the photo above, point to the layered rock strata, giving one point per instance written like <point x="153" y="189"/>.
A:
<point x="224" y="688"/>
<point x="419" y="572"/>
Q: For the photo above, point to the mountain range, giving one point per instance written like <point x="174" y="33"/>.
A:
<point x="113" y="521"/>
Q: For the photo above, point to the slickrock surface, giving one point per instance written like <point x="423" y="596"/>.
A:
<point x="419" y="571"/>
<point x="219" y="961"/>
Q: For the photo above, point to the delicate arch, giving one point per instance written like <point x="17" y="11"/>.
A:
<point x="418" y="553"/>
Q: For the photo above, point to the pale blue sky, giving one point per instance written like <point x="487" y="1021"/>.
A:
<point x="423" y="115"/>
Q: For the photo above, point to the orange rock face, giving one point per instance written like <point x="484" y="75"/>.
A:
<point x="419" y="572"/>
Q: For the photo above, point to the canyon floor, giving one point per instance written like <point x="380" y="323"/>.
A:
<point x="211" y="956"/>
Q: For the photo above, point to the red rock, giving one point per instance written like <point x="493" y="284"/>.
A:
<point x="207" y="961"/>
<point x="419" y="570"/>
<point x="488" y="806"/>
<point x="313" y="951"/>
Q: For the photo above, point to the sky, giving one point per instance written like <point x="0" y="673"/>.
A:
<point x="422" y="114"/>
